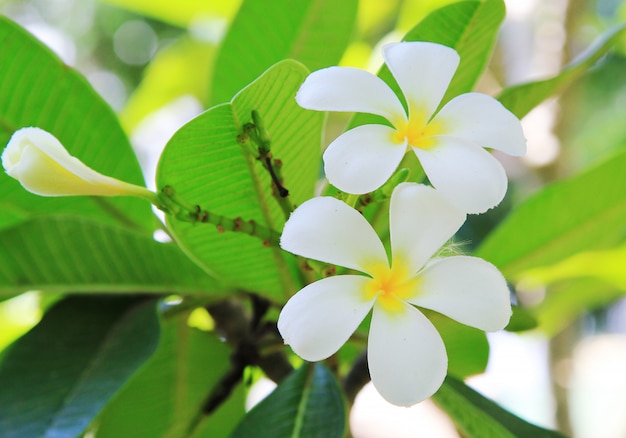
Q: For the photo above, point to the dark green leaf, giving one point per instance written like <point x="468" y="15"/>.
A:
<point x="583" y="213"/>
<point x="57" y="378"/>
<point x="520" y="99"/>
<point x="37" y="89"/>
<point x="69" y="254"/>
<point x="206" y="166"/>
<point x="479" y="417"/>
<point x="264" y="32"/>
<point x="521" y="320"/>
<point x="164" y="398"/>
<point x="308" y="403"/>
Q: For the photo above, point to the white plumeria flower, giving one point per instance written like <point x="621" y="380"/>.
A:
<point x="406" y="355"/>
<point x="43" y="166"/>
<point x="449" y="145"/>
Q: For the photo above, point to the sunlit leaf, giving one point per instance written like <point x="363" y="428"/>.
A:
<point x="520" y="99"/>
<point x="182" y="14"/>
<point x="69" y="254"/>
<point x="206" y="166"/>
<point x="477" y="417"/>
<point x="37" y="89"/>
<point x="57" y="378"/>
<point x="583" y="213"/>
<point x="307" y="404"/>
<point x="178" y="70"/>
<point x="264" y="32"/>
<point x="467" y="347"/>
<point x="165" y="397"/>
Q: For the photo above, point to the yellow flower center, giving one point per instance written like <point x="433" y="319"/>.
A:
<point x="417" y="130"/>
<point x="392" y="285"/>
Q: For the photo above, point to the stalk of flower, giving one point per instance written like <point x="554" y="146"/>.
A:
<point x="406" y="355"/>
<point x="448" y="143"/>
<point x="38" y="160"/>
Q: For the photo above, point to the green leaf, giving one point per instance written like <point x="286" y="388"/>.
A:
<point x="206" y="166"/>
<point x="308" y="403"/>
<point x="264" y="32"/>
<point x="68" y="254"/>
<point x="181" y="13"/>
<point x="177" y="70"/>
<point x="520" y="99"/>
<point x="470" y="28"/>
<point x="521" y="320"/>
<point x="477" y="416"/>
<point x="467" y="347"/>
<point x="58" y="377"/>
<point x="37" y="89"/>
<point x="165" y="396"/>
<point x="583" y="213"/>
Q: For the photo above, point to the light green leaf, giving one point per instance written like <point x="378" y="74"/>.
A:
<point x="180" y="13"/>
<point x="179" y="69"/>
<point x="37" y="89"/>
<point x="56" y="379"/>
<point x="308" y="403"/>
<point x="68" y="254"/>
<point x="264" y="32"/>
<point x="165" y="396"/>
<point x="206" y="166"/>
<point x="583" y="213"/>
<point x="470" y="28"/>
<point x="477" y="417"/>
<point x="467" y="347"/>
<point x="520" y="99"/>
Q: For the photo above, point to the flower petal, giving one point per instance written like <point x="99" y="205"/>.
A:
<point x="423" y="71"/>
<point x="362" y="159"/>
<point x="467" y="289"/>
<point x="406" y="356"/>
<point x="320" y="318"/>
<point x="38" y="160"/>
<point x="484" y="121"/>
<point x="328" y="230"/>
<point x="421" y="220"/>
<point x="349" y="89"/>
<point x="469" y="176"/>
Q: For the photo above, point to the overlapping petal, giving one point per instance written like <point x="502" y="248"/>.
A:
<point x="328" y="230"/>
<point x="466" y="174"/>
<point x="467" y="289"/>
<point x="420" y="222"/>
<point x="423" y="71"/>
<point x="484" y="121"/>
<point x="349" y="89"/>
<point x="406" y="356"/>
<point x="362" y="159"/>
<point x="320" y="318"/>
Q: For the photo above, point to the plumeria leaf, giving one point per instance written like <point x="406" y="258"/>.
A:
<point x="57" y="378"/>
<point x="179" y="69"/>
<point x="470" y="28"/>
<point x="180" y="14"/>
<point x="206" y="166"/>
<point x="477" y="416"/>
<point x="521" y="320"/>
<point x="308" y="403"/>
<point x="520" y="99"/>
<point x="473" y="35"/>
<point x="585" y="212"/>
<point x="70" y="254"/>
<point x="467" y="347"/>
<point x="37" y="89"/>
<point x="165" y="397"/>
<point x="265" y="32"/>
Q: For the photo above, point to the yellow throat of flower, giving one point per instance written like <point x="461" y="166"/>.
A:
<point x="417" y="130"/>
<point x="392" y="285"/>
